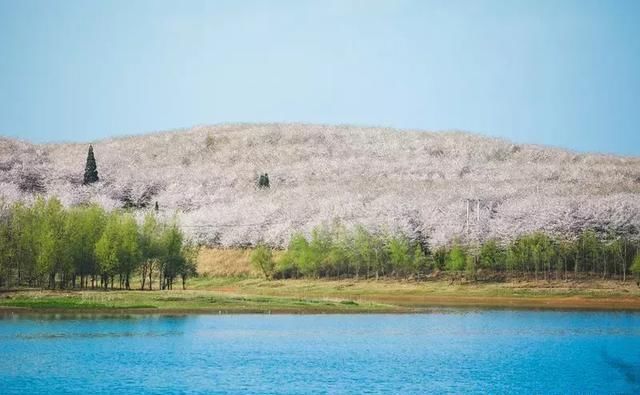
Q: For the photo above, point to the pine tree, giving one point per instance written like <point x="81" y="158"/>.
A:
<point x="266" y="181"/>
<point x="90" y="169"/>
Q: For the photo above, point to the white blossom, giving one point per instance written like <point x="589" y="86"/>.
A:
<point x="380" y="178"/>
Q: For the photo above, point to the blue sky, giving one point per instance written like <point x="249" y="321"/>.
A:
<point x="563" y="73"/>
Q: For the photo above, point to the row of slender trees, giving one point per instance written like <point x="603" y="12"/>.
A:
<point x="47" y="245"/>
<point x="336" y="252"/>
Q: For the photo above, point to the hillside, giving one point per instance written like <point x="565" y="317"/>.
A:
<point x="380" y="178"/>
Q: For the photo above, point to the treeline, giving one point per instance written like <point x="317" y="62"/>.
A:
<point x="337" y="252"/>
<point x="47" y="245"/>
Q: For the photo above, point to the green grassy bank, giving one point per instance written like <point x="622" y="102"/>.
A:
<point x="249" y="295"/>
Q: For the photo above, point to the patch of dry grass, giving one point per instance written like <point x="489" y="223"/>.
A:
<point x="227" y="262"/>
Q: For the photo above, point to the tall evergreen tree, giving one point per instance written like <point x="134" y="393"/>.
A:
<point x="90" y="169"/>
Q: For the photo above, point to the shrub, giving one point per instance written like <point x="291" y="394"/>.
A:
<point x="456" y="259"/>
<point x="262" y="260"/>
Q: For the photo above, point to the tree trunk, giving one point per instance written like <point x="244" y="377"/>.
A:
<point x="144" y="278"/>
<point x="624" y="264"/>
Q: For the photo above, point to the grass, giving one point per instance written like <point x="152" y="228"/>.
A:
<point x="228" y="262"/>
<point x="208" y="294"/>
<point x="593" y="294"/>
<point x="228" y="285"/>
<point x="178" y="301"/>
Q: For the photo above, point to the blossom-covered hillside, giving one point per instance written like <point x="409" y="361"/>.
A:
<point x="445" y="184"/>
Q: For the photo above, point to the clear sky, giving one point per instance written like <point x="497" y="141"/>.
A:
<point x="556" y="72"/>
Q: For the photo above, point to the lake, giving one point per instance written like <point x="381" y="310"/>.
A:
<point x="450" y="350"/>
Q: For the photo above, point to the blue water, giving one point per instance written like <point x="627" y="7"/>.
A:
<point x="456" y="351"/>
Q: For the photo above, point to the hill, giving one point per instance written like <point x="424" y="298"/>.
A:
<point x="445" y="184"/>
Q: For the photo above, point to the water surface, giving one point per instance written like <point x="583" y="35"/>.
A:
<point x="457" y="351"/>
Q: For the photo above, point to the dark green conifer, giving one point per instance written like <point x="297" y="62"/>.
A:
<point x="90" y="169"/>
<point x="266" y="180"/>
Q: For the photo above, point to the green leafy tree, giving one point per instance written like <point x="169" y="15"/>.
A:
<point x="422" y="261"/>
<point x="262" y="260"/>
<point x="566" y="254"/>
<point x="363" y="251"/>
<point x="150" y="249"/>
<point x="456" y="259"/>
<point x="491" y="256"/>
<point x="517" y="255"/>
<point x="108" y="249"/>
<point x="190" y="253"/>
<point x="471" y="265"/>
<point x="440" y="258"/>
<point x="118" y="250"/>
<point x="614" y="255"/>
<point x="542" y="252"/>
<point x="90" y="168"/>
<point x="6" y="245"/>
<point x="589" y="249"/>
<point x="316" y="253"/>
<point x="398" y="250"/>
<point x="635" y="268"/>
<point x="129" y="255"/>
<point x="24" y="230"/>
<point x="83" y="229"/>
<point x="341" y="252"/>
<point x="296" y="255"/>
<point x="51" y="259"/>
<point x="171" y="260"/>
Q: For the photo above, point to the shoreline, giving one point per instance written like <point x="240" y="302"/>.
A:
<point x="214" y="296"/>
<point x="435" y="308"/>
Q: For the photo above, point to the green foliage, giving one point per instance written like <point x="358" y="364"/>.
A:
<point x="635" y="267"/>
<point x="263" y="181"/>
<point x="262" y="260"/>
<point x="47" y="245"/>
<point x="190" y="252"/>
<point x="90" y="169"/>
<point x="456" y="258"/>
<point x="172" y="262"/>
<point x="400" y="257"/>
<point x="336" y="252"/>
<point x="491" y="256"/>
<point x="471" y="265"/>
<point x="83" y="229"/>
<point x="589" y="249"/>
<point x="440" y="258"/>
<point x="50" y="238"/>
<point x="118" y="250"/>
